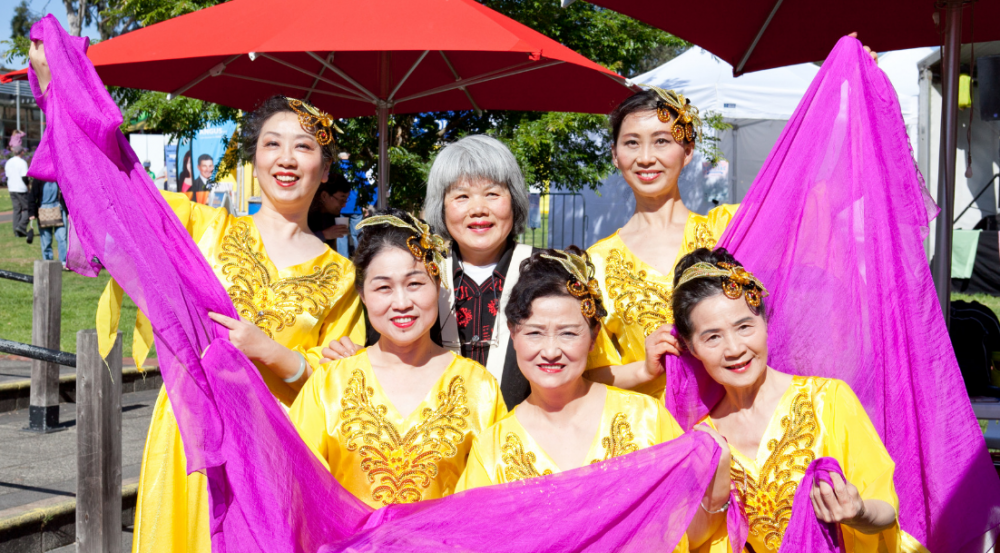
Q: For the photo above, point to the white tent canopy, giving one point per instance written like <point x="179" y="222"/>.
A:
<point x="757" y="105"/>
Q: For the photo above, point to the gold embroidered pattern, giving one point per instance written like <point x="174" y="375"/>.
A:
<point x="768" y="501"/>
<point x="703" y="237"/>
<point x="619" y="441"/>
<point x="270" y="303"/>
<point x="636" y="298"/>
<point x="518" y="464"/>
<point x="400" y="466"/>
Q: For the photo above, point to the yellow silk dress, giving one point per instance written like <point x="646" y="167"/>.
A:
<point x="377" y="453"/>
<point x="637" y="296"/>
<point x="302" y="307"/>
<point x="630" y="421"/>
<point x="816" y="417"/>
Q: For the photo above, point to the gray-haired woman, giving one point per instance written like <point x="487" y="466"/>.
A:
<point x="476" y="197"/>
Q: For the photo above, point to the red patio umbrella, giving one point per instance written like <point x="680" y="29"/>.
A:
<point x="355" y="58"/>
<point x="19" y="75"/>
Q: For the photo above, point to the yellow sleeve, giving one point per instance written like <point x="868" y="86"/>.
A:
<point x="499" y="405"/>
<point x="605" y="352"/>
<point x="475" y="474"/>
<point x="666" y="425"/>
<point x="308" y="414"/>
<point x="346" y="318"/>
<point x="865" y="460"/>
<point x="720" y="217"/>
<point x="196" y="218"/>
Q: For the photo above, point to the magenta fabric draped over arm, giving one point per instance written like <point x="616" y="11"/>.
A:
<point x="834" y="226"/>
<point x="267" y="491"/>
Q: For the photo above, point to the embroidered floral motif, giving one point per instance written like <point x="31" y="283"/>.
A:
<point x="259" y="296"/>
<point x="637" y="299"/>
<point x="619" y="441"/>
<point x="518" y="463"/>
<point x="768" y="499"/>
<point x="492" y="306"/>
<point x="462" y="316"/>
<point x="703" y="237"/>
<point x="400" y="466"/>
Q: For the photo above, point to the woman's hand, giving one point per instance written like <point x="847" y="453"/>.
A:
<point x="874" y="55"/>
<point x="841" y="503"/>
<point x="36" y="55"/>
<point x="339" y="349"/>
<point x="661" y="342"/>
<point x="248" y="338"/>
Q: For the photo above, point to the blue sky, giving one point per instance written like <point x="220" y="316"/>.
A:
<point x="55" y="7"/>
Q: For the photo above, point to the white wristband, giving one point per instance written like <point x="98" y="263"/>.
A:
<point x="302" y="369"/>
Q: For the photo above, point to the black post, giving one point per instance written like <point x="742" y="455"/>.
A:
<point x="950" y="60"/>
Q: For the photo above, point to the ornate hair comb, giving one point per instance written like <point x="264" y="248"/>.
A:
<point x="583" y="285"/>
<point x="687" y="123"/>
<point x="425" y="241"/>
<point x="314" y="121"/>
<point x="737" y="281"/>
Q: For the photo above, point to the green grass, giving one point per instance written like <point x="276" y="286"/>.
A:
<point x="79" y="297"/>
<point x="5" y="203"/>
<point x="538" y="237"/>
<point x="993" y="302"/>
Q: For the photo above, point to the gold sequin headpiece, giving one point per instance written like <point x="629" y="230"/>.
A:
<point x="673" y="105"/>
<point x="314" y="121"/>
<point x="583" y="285"/>
<point x="423" y="242"/>
<point x="737" y="281"/>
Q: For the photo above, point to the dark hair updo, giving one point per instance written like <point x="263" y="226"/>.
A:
<point x="254" y="123"/>
<point x="644" y="101"/>
<point x="686" y="296"/>
<point x="376" y="238"/>
<point x="542" y="277"/>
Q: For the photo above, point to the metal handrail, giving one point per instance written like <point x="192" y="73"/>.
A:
<point x="17" y="276"/>
<point x="37" y="352"/>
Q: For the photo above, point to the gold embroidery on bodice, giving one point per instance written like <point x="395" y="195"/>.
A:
<point x="703" y="238"/>
<point x="271" y="304"/>
<point x="518" y="463"/>
<point x="768" y="499"/>
<point x="620" y="441"/>
<point x="637" y="299"/>
<point x="399" y="466"/>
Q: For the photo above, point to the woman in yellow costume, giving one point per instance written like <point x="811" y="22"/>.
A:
<point x="554" y="316"/>
<point x="394" y="422"/>
<point x="654" y="134"/>
<point x="776" y="424"/>
<point x="293" y="293"/>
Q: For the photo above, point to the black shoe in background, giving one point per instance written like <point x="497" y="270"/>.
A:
<point x="31" y="235"/>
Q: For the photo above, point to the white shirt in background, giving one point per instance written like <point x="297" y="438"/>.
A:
<point x="17" y="173"/>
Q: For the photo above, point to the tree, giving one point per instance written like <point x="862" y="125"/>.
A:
<point x="24" y="18"/>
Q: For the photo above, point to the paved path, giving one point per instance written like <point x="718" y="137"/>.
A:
<point x="6" y="216"/>
<point x="34" y="467"/>
<point x="13" y="369"/>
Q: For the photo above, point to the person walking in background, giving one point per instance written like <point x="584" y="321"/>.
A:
<point x="49" y="209"/>
<point x="16" y="169"/>
<point x="325" y="220"/>
<point x="145" y="165"/>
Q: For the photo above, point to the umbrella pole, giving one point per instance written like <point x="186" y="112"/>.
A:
<point x="383" y="155"/>
<point x="950" y="60"/>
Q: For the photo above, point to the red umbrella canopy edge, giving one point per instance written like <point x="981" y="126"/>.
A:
<point x="19" y="75"/>
<point x="414" y="55"/>
<point x="762" y="34"/>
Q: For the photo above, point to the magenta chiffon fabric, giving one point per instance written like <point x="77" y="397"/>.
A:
<point x="268" y="492"/>
<point x="834" y="227"/>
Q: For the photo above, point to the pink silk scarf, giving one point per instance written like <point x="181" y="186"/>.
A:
<point x="833" y="227"/>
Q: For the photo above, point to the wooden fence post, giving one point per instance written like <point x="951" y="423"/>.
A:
<point x="43" y="410"/>
<point x="98" y="446"/>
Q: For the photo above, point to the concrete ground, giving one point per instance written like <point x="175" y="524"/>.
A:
<point x="34" y="466"/>
<point x="14" y="369"/>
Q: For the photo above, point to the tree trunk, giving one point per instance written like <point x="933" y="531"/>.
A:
<point x="76" y="11"/>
